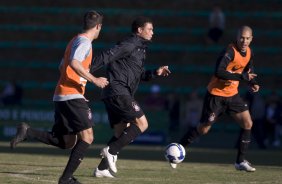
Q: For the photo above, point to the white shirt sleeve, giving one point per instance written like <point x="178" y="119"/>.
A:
<point x="80" y="48"/>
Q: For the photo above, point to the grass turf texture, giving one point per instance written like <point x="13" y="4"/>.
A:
<point x="32" y="163"/>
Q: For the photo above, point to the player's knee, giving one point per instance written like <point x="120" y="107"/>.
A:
<point x="89" y="139"/>
<point x="203" y="129"/>
<point x="67" y="142"/>
<point x="87" y="136"/>
<point x="142" y="123"/>
<point x="143" y="127"/>
<point x="247" y="126"/>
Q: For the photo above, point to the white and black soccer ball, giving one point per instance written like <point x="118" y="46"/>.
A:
<point x="175" y="153"/>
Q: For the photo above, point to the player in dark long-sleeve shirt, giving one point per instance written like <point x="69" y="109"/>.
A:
<point x="125" y="66"/>
<point x="235" y="64"/>
<point x="125" y="69"/>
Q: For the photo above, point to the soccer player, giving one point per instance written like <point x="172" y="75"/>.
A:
<point x="125" y="68"/>
<point x="73" y="125"/>
<point x="234" y="64"/>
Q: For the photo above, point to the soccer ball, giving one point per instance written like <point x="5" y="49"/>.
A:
<point x="175" y="153"/>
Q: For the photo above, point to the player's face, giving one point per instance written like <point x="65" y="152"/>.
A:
<point x="146" y="32"/>
<point x="244" y="40"/>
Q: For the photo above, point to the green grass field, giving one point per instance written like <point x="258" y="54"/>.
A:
<point x="32" y="163"/>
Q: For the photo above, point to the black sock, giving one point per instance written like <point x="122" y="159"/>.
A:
<point x="245" y="139"/>
<point x="43" y="136"/>
<point x="104" y="163"/>
<point x="189" y="137"/>
<point x="128" y="135"/>
<point x="75" y="158"/>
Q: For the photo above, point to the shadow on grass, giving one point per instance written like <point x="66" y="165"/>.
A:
<point x="24" y="164"/>
<point x="156" y="153"/>
<point x="26" y="173"/>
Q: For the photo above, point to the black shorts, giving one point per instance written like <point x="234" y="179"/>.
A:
<point x="123" y="109"/>
<point x="71" y="117"/>
<point x="214" y="106"/>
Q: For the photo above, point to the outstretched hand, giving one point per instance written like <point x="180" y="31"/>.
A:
<point x="163" y="71"/>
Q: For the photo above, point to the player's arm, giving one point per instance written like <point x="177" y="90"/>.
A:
<point x="150" y="74"/>
<point x="118" y="51"/>
<point x="222" y="63"/>
<point x="78" y="68"/>
<point x="250" y="70"/>
<point x="254" y="86"/>
<point x="79" y="51"/>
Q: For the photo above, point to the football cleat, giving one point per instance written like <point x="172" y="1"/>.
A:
<point x="244" y="166"/>
<point x="20" y="136"/>
<point x="102" y="173"/>
<point x="112" y="159"/>
<point x="71" y="180"/>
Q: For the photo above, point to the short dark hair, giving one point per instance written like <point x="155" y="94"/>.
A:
<point x="91" y="19"/>
<point x="139" y="22"/>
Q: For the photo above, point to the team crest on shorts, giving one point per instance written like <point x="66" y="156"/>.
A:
<point x="211" y="117"/>
<point x="135" y="106"/>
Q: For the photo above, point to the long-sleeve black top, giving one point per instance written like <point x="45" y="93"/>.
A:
<point x="124" y="66"/>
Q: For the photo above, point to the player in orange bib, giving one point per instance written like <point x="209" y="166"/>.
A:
<point x="235" y="64"/>
<point x="73" y="120"/>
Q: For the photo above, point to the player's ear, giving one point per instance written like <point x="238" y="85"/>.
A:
<point x="98" y="26"/>
<point x="140" y="29"/>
